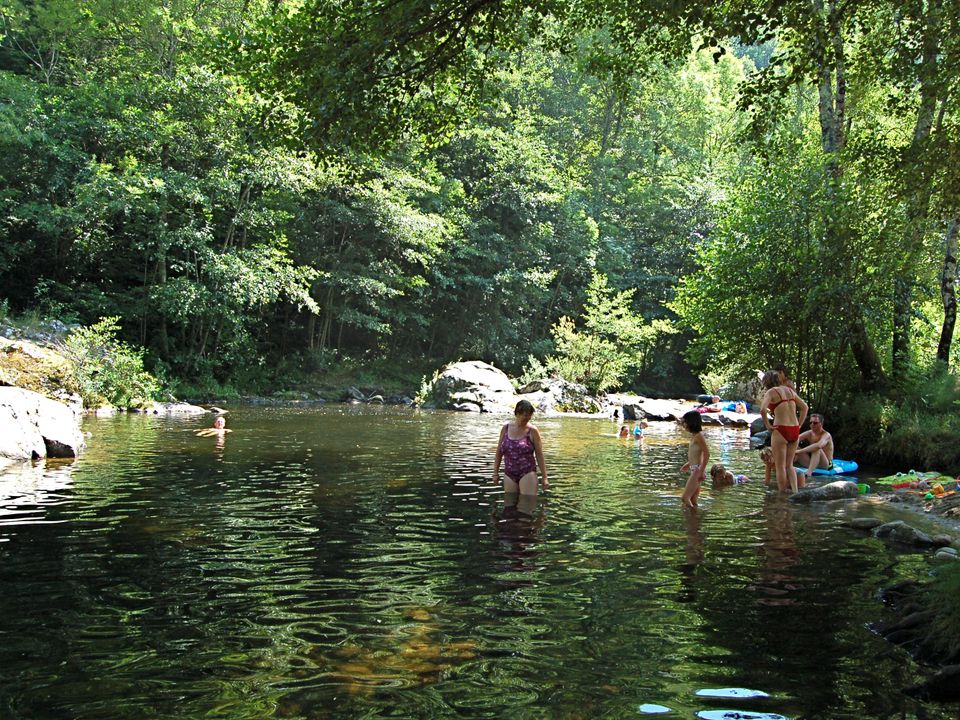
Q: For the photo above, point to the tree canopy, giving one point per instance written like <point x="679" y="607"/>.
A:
<point x="257" y="189"/>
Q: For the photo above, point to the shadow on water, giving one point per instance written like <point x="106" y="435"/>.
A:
<point x="358" y="562"/>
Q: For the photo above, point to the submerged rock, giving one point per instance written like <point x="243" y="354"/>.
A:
<point x="839" y="490"/>
<point x="173" y="408"/>
<point x="942" y="687"/>
<point x="899" y="531"/>
<point x="865" y="523"/>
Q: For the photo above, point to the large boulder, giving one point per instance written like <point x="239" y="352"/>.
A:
<point x="662" y="409"/>
<point x="473" y="385"/>
<point x="839" y="490"/>
<point x="26" y="365"/>
<point x="559" y="395"/>
<point x="33" y="426"/>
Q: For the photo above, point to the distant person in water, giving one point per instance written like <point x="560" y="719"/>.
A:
<point x="521" y="451"/>
<point x="698" y="454"/>
<point x="722" y="477"/>
<point x="219" y="428"/>
<point x="769" y="466"/>
<point x="766" y="455"/>
<point x="624" y="431"/>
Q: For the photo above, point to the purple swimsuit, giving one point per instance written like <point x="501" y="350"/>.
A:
<point x="518" y="459"/>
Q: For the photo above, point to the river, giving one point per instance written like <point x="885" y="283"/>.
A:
<point x="359" y="562"/>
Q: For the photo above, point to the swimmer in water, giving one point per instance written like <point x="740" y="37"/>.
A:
<point x="219" y="429"/>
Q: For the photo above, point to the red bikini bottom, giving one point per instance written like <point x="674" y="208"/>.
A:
<point x="790" y="433"/>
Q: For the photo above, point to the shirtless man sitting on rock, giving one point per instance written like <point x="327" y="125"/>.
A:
<point x="818" y="453"/>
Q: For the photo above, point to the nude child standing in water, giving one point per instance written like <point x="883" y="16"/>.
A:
<point x="698" y="455"/>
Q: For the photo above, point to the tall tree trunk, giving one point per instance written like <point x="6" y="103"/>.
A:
<point x="312" y="331"/>
<point x="608" y="117"/>
<point x="832" y="113"/>
<point x="918" y="198"/>
<point x="948" y="292"/>
<point x="162" y="334"/>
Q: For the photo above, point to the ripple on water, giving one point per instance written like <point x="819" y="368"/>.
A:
<point x="344" y="562"/>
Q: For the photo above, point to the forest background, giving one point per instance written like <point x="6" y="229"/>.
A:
<point x="660" y="197"/>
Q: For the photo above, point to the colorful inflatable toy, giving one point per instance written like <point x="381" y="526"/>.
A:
<point x="840" y="467"/>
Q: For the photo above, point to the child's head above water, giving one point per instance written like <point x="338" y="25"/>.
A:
<point x="766" y="454"/>
<point x="717" y="472"/>
<point x="220" y="423"/>
<point x="692" y="421"/>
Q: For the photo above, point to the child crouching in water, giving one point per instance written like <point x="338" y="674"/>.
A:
<point x="769" y="467"/>
<point x="698" y="454"/>
<point x="724" y="478"/>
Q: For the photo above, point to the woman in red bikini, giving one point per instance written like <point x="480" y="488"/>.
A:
<point x="784" y="403"/>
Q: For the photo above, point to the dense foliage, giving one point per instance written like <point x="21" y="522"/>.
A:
<point x="261" y="190"/>
<point x="105" y="370"/>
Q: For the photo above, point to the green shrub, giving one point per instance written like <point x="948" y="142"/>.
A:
<point x="106" y="370"/>
<point x="426" y="392"/>
<point x="914" y="425"/>
<point x="610" y="340"/>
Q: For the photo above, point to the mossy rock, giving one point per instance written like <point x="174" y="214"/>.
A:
<point x="32" y="367"/>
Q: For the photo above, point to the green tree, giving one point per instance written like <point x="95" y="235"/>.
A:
<point x="609" y="343"/>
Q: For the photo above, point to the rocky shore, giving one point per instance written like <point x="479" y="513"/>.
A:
<point x="39" y="412"/>
<point x="476" y="386"/>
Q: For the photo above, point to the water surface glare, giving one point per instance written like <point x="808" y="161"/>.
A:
<point x="357" y="562"/>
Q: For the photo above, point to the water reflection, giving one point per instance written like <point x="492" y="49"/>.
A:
<point x="352" y="562"/>
<point x="517" y="523"/>
<point x="775" y="582"/>
<point x="27" y="489"/>
<point x="693" y="524"/>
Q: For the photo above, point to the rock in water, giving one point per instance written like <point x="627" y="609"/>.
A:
<point x="474" y="383"/>
<point x="839" y="490"/>
<point x="34" y="426"/>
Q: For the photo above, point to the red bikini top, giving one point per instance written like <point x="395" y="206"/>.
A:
<point x="773" y="405"/>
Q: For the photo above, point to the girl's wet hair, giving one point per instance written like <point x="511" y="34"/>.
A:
<point x="693" y="421"/>
<point x="524" y="407"/>
<point x="717" y="470"/>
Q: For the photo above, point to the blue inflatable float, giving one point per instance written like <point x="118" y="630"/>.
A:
<point x="840" y="467"/>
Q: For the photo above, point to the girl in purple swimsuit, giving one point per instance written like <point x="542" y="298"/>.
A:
<point x="520" y="449"/>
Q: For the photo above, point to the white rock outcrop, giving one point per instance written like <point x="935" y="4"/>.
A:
<point x="34" y="426"/>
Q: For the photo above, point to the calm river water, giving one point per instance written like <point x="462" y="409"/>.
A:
<point x="344" y="562"/>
